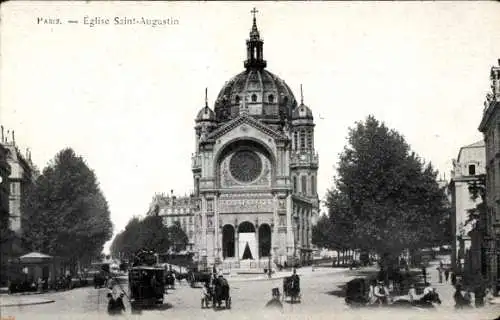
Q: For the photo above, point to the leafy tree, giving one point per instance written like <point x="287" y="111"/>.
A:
<point x="150" y="234"/>
<point x="385" y="198"/>
<point x="321" y="232"/>
<point x="477" y="190"/>
<point x="65" y="213"/>
<point x="178" y="237"/>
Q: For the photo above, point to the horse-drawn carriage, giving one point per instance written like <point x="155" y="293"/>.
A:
<point x="215" y="293"/>
<point x="146" y="286"/>
<point x="291" y="288"/>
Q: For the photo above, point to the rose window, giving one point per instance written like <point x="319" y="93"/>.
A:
<point x="245" y="166"/>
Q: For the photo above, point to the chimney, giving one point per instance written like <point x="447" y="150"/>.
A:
<point x="13" y="138"/>
<point x="3" y="138"/>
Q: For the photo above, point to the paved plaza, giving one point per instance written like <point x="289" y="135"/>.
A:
<point x="249" y="295"/>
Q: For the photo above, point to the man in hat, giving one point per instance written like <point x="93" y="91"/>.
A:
<point x="275" y="300"/>
<point x="381" y="293"/>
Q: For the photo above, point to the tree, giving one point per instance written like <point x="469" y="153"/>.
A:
<point x="65" y="213"/>
<point x="177" y="236"/>
<point x="477" y="190"/>
<point x="149" y="233"/>
<point x="385" y="197"/>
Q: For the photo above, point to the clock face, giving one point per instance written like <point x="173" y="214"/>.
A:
<point x="245" y="166"/>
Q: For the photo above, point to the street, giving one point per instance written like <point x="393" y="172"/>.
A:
<point x="248" y="298"/>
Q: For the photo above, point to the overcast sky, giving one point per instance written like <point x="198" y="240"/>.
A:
<point x="125" y="96"/>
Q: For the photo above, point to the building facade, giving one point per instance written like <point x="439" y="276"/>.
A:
<point x="467" y="168"/>
<point x="22" y="174"/>
<point x="254" y="170"/>
<point x="174" y="209"/>
<point x="4" y="185"/>
<point x="490" y="127"/>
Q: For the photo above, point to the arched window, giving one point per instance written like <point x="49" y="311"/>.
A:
<point x="254" y="98"/>
<point x="270" y="98"/>
<point x="302" y="139"/>
<point x="309" y="140"/>
<point x="304" y="185"/>
<point x="294" y="184"/>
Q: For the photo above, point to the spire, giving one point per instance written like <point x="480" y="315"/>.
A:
<point x="255" y="57"/>
<point x="254" y="34"/>
<point x="206" y="97"/>
<point x="301" y="95"/>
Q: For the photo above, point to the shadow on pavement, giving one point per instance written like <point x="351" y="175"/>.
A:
<point x="339" y="292"/>
<point x="161" y="307"/>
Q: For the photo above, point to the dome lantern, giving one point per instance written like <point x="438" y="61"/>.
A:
<point x="205" y="114"/>
<point x="255" y="46"/>
<point x="302" y="111"/>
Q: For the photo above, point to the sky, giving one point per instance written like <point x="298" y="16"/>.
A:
<point x="125" y="96"/>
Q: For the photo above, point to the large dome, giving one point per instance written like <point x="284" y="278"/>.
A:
<point x="259" y="92"/>
<point x="264" y="94"/>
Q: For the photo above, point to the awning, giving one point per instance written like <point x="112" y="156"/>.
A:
<point x="35" y="257"/>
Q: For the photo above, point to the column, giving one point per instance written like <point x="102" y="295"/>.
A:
<point x="203" y="249"/>
<point x="289" y="227"/>
<point x="236" y="243"/>
<point x="257" y="241"/>
<point x="274" y="231"/>
<point x="300" y="228"/>
<point x="216" y="229"/>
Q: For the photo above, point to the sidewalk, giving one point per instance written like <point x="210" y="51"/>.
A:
<point x="302" y="272"/>
<point x="22" y="300"/>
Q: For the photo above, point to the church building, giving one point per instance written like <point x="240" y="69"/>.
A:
<point x="255" y="170"/>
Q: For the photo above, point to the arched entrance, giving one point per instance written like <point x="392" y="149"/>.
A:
<point x="247" y="246"/>
<point x="228" y="241"/>
<point x="264" y="240"/>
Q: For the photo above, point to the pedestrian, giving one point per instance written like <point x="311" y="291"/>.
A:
<point x="412" y="293"/>
<point x="453" y="278"/>
<point x="111" y="303"/>
<point x="488" y="296"/>
<point x="479" y="294"/>
<point x="275" y="300"/>
<point x="440" y="273"/>
<point x="119" y="306"/>
<point x="446" y="275"/>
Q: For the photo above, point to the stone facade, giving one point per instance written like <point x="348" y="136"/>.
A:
<point x="467" y="168"/>
<point x="4" y="183"/>
<point x="21" y="175"/>
<point x="254" y="171"/>
<point x="490" y="127"/>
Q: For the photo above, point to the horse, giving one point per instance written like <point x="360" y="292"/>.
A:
<point x="194" y="277"/>
<point x="291" y="288"/>
<point x="221" y="292"/>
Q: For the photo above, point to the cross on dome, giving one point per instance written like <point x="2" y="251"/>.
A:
<point x="254" y="11"/>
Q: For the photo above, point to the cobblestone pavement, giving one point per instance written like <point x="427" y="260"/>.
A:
<point x="248" y="299"/>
